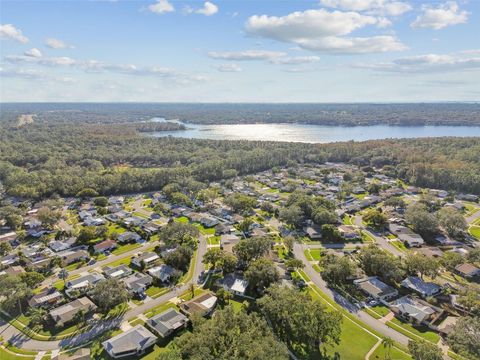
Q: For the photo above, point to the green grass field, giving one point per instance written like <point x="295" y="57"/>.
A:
<point x="313" y="254"/>
<point x="395" y="354"/>
<point x="125" y="248"/>
<point x="413" y="332"/>
<point x="475" y="231"/>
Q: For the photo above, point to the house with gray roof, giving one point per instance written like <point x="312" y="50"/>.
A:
<point x="66" y="313"/>
<point x="133" y="342"/>
<point x="167" y="322"/>
<point x="162" y="272"/>
<point x="137" y="283"/>
<point x="375" y="288"/>
<point x="117" y="272"/>
<point x="413" y="310"/>
<point x="421" y="287"/>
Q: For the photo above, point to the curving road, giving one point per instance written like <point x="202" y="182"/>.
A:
<point x="20" y="340"/>
<point x="364" y="317"/>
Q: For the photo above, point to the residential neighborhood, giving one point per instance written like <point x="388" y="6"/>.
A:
<point x="130" y="271"/>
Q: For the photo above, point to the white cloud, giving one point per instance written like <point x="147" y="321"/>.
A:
<point x="384" y="7"/>
<point x="208" y="9"/>
<point x="161" y="7"/>
<point x="56" y="44"/>
<point x="53" y="61"/>
<point x="302" y="69"/>
<point x="34" y="52"/>
<point x="95" y="66"/>
<point x="228" y="68"/>
<point x="246" y="55"/>
<point x="442" y="16"/>
<point x="325" y="31"/>
<point x="10" y="32"/>
<point x="31" y="74"/>
<point x="427" y="63"/>
<point x="295" y="60"/>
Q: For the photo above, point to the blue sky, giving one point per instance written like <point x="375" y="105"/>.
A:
<point x="240" y="51"/>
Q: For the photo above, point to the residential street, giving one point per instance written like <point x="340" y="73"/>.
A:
<point x="18" y="339"/>
<point x="367" y="319"/>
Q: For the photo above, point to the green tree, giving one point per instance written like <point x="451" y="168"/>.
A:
<point x="177" y="233"/>
<point x="422" y="221"/>
<point x="376" y="262"/>
<point x="330" y="233"/>
<point x="240" y="203"/>
<point x="424" y="350"/>
<point x="179" y="258"/>
<point x="464" y="337"/>
<point x="323" y="216"/>
<point x="452" y="221"/>
<point x="292" y="215"/>
<point x="420" y="264"/>
<point x="261" y="274"/>
<point x="227" y="335"/>
<point x="299" y="321"/>
<point x="375" y="219"/>
<point x="337" y="270"/>
<point x="32" y="278"/>
<point x="5" y="248"/>
<point x="252" y="249"/>
<point x="101" y="201"/>
<point x="289" y="241"/>
<point x="387" y="345"/>
<point x="87" y="193"/>
<point x="109" y="293"/>
<point x="451" y="260"/>
<point x="14" y="221"/>
<point x="294" y="264"/>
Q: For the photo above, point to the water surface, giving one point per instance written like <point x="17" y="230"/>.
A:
<point x="315" y="133"/>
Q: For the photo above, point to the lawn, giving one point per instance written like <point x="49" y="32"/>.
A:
<point x="314" y="254"/>
<point x="347" y="220"/>
<point x="395" y="354"/>
<point x="213" y="240"/>
<point x="5" y="355"/>
<point x="124" y="261"/>
<point x="378" y="311"/>
<point x="60" y="283"/>
<point x="475" y="231"/>
<point x="155" y="291"/>
<point x="125" y="248"/>
<point x="317" y="268"/>
<point x="114" y="228"/>
<point x="414" y="332"/>
<point x="206" y="231"/>
<point x="182" y="219"/>
<point x="399" y="245"/>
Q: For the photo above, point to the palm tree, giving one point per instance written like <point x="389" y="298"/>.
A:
<point x="37" y="315"/>
<point x="63" y="274"/>
<point x="192" y="289"/>
<point x="387" y="345"/>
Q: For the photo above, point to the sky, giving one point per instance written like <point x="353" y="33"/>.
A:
<point x="239" y="51"/>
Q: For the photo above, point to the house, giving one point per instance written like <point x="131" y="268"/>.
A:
<point x="146" y="259"/>
<point x="128" y="236"/>
<point x="85" y="282"/>
<point x="375" y="288"/>
<point x="150" y="228"/>
<point x="62" y="245"/>
<point x="46" y="299"/>
<point x="421" y="287"/>
<point x="467" y="270"/>
<point x="133" y="221"/>
<point x="133" y="342"/>
<point x="202" y="305"/>
<point x="411" y="239"/>
<point x="13" y="270"/>
<point x="430" y="251"/>
<point x="208" y="222"/>
<point x="348" y="232"/>
<point x="228" y="241"/>
<point x="413" y="310"/>
<point x="93" y="221"/>
<point x="117" y="272"/>
<point x="73" y="255"/>
<point x="66" y="313"/>
<point x="162" y="272"/>
<point x="167" y="322"/>
<point x="137" y="283"/>
<point x="222" y="229"/>
<point x="467" y="197"/>
<point x="104" y="246"/>
<point x="9" y="236"/>
<point x="233" y="283"/>
<point x="313" y="232"/>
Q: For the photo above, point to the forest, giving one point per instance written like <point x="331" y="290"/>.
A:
<point x="319" y="114"/>
<point x="44" y="158"/>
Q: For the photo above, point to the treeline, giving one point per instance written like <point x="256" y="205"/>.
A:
<point x="158" y="126"/>
<point x="320" y="114"/>
<point x="40" y="159"/>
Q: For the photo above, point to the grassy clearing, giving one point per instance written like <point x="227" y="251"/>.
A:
<point x="154" y="291"/>
<point x="213" y="240"/>
<point x="313" y="254"/>
<point x="399" y="245"/>
<point x="7" y="355"/>
<point x="125" y="248"/>
<point x="378" y="311"/>
<point x="182" y="219"/>
<point x="475" y="231"/>
<point x="395" y="354"/>
<point x="413" y="332"/>
<point x="347" y="220"/>
<point x="124" y="261"/>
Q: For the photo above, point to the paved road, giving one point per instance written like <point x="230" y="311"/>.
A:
<point x="380" y="240"/>
<point x="473" y="217"/>
<point x="20" y="340"/>
<point x="364" y="317"/>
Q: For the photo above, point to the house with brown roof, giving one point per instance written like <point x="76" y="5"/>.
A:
<point x="202" y="305"/>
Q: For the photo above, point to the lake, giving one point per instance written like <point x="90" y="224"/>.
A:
<point x="314" y="133"/>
